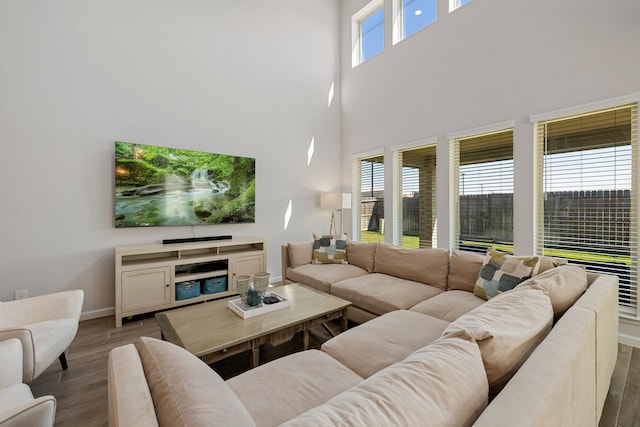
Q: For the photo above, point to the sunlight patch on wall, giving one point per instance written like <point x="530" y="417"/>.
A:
<point x="287" y="215"/>
<point x="310" y="151"/>
<point x="331" y="90"/>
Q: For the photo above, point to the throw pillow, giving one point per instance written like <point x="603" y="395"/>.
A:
<point x="329" y="249"/>
<point x="361" y="254"/>
<point x="501" y="272"/>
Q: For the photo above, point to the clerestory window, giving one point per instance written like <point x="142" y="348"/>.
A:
<point x="456" y="4"/>
<point x="367" y="32"/>
<point x="411" y="16"/>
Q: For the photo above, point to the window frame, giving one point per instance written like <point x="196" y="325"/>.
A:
<point x="456" y="4"/>
<point x="398" y="20"/>
<point x="538" y="122"/>
<point x="454" y="171"/>
<point x="356" y="31"/>
<point x="397" y="197"/>
<point x="356" y="190"/>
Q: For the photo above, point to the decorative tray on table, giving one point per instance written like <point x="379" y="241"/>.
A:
<point x="245" y="311"/>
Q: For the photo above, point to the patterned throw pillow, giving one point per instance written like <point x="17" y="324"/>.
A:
<point x="501" y="272"/>
<point x="329" y="249"/>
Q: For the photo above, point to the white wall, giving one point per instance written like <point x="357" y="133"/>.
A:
<point x="246" y="78"/>
<point x="488" y="62"/>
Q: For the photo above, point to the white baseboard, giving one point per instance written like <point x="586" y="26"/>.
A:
<point x="275" y="279"/>
<point x="629" y="332"/>
<point x="94" y="314"/>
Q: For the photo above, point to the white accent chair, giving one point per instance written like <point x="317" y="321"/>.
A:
<point x="18" y="407"/>
<point x="45" y="325"/>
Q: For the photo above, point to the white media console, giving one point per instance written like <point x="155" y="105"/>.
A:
<point x="147" y="276"/>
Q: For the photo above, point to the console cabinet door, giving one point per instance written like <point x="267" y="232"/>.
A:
<point x="248" y="266"/>
<point x="146" y="288"/>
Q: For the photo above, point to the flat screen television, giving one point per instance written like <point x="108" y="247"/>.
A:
<point x="159" y="186"/>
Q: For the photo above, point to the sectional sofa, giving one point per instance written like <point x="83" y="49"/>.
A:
<point x="540" y="354"/>
<point x="380" y="277"/>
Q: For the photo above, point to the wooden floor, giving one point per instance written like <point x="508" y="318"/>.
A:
<point x="81" y="391"/>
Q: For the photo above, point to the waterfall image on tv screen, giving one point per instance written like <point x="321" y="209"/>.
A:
<point x="157" y="186"/>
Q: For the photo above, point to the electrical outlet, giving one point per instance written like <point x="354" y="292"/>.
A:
<point x="22" y="294"/>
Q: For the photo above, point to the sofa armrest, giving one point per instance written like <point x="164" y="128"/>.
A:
<point x="38" y="412"/>
<point x="284" y="253"/>
<point x="59" y="305"/>
<point x="10" y="362"/>
<point x="556" y="384"/>
<point x="130" y="401"/>
<point x="27" y="355"/>
<point x="601" y="297"/>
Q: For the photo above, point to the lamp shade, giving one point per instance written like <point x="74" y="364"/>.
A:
<point x="335" y="200"/>
<point x="346" y="200"/>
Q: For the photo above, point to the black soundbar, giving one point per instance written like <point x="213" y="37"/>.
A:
<point x="196" y="239"/>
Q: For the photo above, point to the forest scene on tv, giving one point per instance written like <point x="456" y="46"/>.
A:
<point x="157" y="186"/>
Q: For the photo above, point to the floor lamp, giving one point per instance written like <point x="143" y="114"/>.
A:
<point x="335" y="202"/>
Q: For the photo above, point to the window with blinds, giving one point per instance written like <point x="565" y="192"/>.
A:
<point x="482" y="182"/>
<point x="415" y="197"/>
<point x="368" y="199"/>
<point x="587" y="197"/>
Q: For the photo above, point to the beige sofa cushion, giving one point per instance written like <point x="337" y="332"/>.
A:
<point x="428" y="265"/>
<point x="507" y="329"/>
<point x="323" y="276"/>
<point x="464" y="267"/>
<point x="380" y="293"/>
<point x="449" y="305"/>
<point x="390" y="337"/>
<point x="185" y="390"/>
<point x="564" y="285"/>
<point x="547" y="263"/>
<point x="362" y="254"/>
<point x="300" y="253"/>
<point x="440" y="385"/>
<point x="285" y="388"/>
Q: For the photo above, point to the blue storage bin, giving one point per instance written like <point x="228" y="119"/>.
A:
<point x="214" y="284"/>
<point x="186" y="290"/>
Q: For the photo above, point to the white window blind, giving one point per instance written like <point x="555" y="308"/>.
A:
<point x="368" y="199"/>
<point x="587" y="198"/>
<point x="482" y="182"/>
<point x="415" y="197"/>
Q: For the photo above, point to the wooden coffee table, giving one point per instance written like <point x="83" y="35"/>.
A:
<point x="213" y="332"/>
